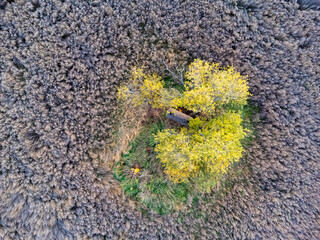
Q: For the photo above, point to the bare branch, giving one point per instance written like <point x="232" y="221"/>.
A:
<point x="177" y="75"/>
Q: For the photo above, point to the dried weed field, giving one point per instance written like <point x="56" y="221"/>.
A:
<point x="60" y="65"/>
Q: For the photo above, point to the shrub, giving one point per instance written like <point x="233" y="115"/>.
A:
<point x="207" y="87"/>
<point x="203" y="152"/>
<point x="206" y="148"/>
<point x="145" y="89"/>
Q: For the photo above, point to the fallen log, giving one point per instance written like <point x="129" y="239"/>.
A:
<point x="179" y="117"/>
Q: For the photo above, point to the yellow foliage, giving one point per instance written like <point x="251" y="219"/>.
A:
<point x="209" y="86"/>
<point x="208" y="147"/>
<point x="135" y="170"/>
<point x="143" y="89"/>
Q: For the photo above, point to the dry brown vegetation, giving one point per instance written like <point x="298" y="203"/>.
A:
<point x="60" y="63"/>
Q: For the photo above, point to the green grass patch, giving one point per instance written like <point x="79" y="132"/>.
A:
<point x="170" y="83"/>
<point x="149" y="185"/>
<point x="142" y="178"/>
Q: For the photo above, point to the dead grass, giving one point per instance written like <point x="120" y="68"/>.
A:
<point x="129" y="123"/>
